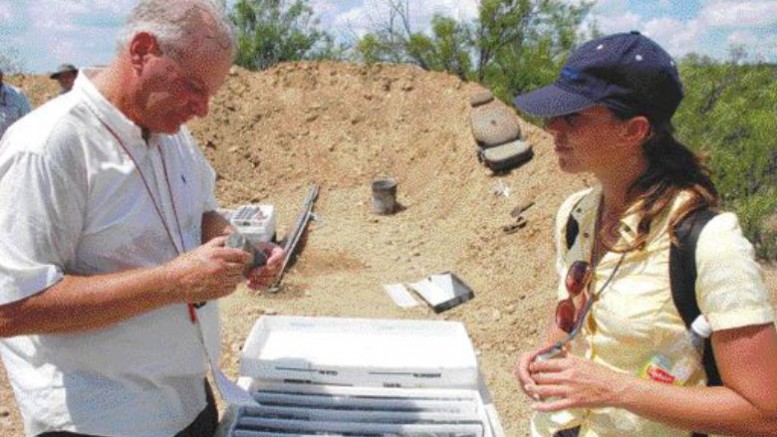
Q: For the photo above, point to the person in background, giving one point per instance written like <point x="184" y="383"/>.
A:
<point x="66" y="76"/>
<point x="112" y="254"/>
<point x="609" y="114"/>
<point x="13" y="105"/>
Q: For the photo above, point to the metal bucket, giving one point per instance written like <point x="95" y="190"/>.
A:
<point x="384" y="196"/>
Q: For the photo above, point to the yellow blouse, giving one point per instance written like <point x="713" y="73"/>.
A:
<point x="635" y="316"/>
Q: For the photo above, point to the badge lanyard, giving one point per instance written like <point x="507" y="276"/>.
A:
<point x="191" y="308"/>
<point x="230" y="391"/>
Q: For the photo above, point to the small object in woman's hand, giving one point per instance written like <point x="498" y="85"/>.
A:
<point x="554" y="352"/>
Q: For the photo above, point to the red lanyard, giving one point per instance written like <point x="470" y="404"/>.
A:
<point x="158" y="208"/>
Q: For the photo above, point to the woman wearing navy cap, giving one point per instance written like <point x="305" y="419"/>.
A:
<point x="624" y="352"/>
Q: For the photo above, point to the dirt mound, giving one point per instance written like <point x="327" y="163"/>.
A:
<point x="271" y="134"/>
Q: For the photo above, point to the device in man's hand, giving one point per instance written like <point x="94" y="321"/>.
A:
<point x="237" y="240"/>
<point x="255" y="221"/>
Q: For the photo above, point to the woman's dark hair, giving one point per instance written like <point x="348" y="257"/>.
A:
<point x="672" y="168"/>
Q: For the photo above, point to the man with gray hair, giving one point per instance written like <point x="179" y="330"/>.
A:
<point x="112" y="254"/>
<point x="13" y="104"/>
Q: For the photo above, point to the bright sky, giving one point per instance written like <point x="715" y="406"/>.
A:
<point x="49" y="32"/>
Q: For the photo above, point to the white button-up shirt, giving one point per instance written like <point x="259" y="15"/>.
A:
<point x="72" y="202"/>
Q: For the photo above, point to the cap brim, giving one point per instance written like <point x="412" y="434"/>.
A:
<point x="552" y="101"/>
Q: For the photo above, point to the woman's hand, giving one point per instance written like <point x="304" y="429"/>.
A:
<point x="522" y="373"/>
<point x="572" y="382"/>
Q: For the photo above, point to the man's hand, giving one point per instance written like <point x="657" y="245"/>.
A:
<point x="209" y="272"/>
<point x="264" y="275"/>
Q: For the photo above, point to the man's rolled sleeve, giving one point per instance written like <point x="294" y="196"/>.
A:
<point x="39" y="223"/>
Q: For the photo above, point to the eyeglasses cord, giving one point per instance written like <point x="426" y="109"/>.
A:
<point x="588" y="304"/>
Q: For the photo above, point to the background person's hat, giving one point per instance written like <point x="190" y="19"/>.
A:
<point x="625" y="71"/>
<point x="64" y="68"/>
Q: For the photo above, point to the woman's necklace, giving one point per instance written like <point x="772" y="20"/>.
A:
<point x="606" y="232"/>
<point x="598" y="250"/>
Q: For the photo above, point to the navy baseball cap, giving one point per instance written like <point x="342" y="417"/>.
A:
<point x="625" y="71"/>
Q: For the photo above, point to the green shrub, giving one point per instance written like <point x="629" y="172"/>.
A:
<point x="730" y="114"/>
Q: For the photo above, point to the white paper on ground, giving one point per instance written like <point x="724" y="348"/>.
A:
<point x="400" y="295"/>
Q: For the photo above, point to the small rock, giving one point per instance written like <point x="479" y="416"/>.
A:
<point x="255" y="311"/>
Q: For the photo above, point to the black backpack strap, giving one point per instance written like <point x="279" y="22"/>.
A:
<point x="572" y="227"/>
<point x="682" y="273"/>
<point x="571" y="230"/>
